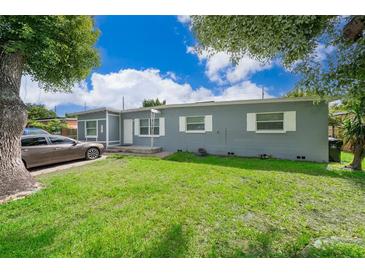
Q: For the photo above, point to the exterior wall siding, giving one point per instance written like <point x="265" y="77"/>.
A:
<point x="101" y="126"/>
<point x="80" y="130"/>
<point x="230" y="135"/>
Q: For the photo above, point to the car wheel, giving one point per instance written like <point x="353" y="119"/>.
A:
<point x="92" y="153"/>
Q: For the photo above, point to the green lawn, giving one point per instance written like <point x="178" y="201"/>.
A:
<point x="189" y="206"/>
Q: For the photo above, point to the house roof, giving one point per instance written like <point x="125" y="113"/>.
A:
<point x="232" y="102"/>
<point x="59" y="118"/>
<point x="95" y="110"/>
<point x="207" y="103"/>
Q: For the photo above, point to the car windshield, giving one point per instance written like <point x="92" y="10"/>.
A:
<point x="34" y="131"/>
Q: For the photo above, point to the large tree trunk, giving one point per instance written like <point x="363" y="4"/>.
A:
<point x="358" y="156"/>
<point x="14" y="178"/>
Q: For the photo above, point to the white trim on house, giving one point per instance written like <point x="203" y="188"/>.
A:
<point x="182" y="123"/>
<point x="162" y="126"/>
<point x="107" y="129"/>
<point x="136" y="127"/>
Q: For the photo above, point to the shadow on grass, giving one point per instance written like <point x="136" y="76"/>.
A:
<point x="171" y="245"/>
<point x="308" y="168"/>
<point x="20" y="244"/>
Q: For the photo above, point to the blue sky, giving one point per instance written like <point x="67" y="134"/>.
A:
<point x="153" y="56"/>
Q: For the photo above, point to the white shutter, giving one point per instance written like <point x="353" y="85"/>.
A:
<point x="251" y="121"/>
<point x="162" y="126"/>
<point x="208" y="123"/>
<point x="290" y="121"/>
<point x="182" y="123"/>
<point x="136" y="127"/>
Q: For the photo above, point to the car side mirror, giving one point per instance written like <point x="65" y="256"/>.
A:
<point x="74" y="143"/>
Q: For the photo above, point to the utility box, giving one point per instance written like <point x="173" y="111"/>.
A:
<point x="334" y="149"/>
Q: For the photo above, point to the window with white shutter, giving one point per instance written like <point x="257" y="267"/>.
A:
<point x="182" y="123"/>
<point x="162" y="126"/>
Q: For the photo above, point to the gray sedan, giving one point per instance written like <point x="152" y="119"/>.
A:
<point x="38" y="150"/>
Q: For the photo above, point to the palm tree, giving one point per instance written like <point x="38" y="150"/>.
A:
<point x="354" y="132"/>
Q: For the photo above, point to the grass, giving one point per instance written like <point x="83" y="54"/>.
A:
<point x="190" y="206"/>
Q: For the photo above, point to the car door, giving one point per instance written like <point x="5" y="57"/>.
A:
<point x="36" y="151"/>
<point x="65" y="149"/>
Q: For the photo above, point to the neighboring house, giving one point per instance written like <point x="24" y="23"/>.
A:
<point x="289" y="128"/>
<point x="70" y="131"/>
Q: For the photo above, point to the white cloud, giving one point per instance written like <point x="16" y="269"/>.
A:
<point x="243" y="90"/>
<point x="184" y="19"/>
<point x="322" y="51"/>
<point x="219" y="68"/>
<point x="245" y="68"/>
<point x="135" y="85"/>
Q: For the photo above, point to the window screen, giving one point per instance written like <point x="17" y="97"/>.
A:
<point x="270" y="121"/>
<point x="195" y="123"/>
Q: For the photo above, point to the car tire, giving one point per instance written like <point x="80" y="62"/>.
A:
<point x="92" y="153"/>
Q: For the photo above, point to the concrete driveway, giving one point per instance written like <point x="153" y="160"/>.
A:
<point x="62" y="166"/>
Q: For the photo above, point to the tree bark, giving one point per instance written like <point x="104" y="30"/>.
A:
<point x="14" y="177"/>
<point x="358" y="156"/>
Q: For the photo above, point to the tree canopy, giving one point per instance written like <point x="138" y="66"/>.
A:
<point x="38" y="111"/>
<point x="57" y="51"/>
<point x="262" y="37"/>
<point x="153" y="103"/>
<point x="295" y="41"/>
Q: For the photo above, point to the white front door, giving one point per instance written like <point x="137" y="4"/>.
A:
<point x="128" y="131"/>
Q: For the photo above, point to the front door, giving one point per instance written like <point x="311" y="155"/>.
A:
<point x="128" y="131"/>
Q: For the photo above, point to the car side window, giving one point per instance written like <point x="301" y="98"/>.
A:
<point x="57" y="140"/>
<point x="34" y="141"/>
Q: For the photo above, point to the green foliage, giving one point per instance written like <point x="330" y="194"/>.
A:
<point x="57" y="51"/>
<point x="152" y="103"/>
<point x="36" y="111"/>
<point x="354" y="124"/>
<point x="51" y="126"/>
<point x="263" y="37"/>
<point x="41" y="112"/>
<point x="294" y="40"/>
<point x="186" y="206"/>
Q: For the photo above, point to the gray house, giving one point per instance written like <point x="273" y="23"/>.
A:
<point x="288" y="128"/>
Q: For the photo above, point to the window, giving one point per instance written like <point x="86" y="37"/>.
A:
<point x="145" y="127"/>
<point x="58" y="140"/>
<point x="195" y="123"/>
<point x="34" y="131"/>
<point x="270" y="121"/>
<point x="91" y="129"/>
<point x="156" y="127"/>
<point x="35" y="141"/>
